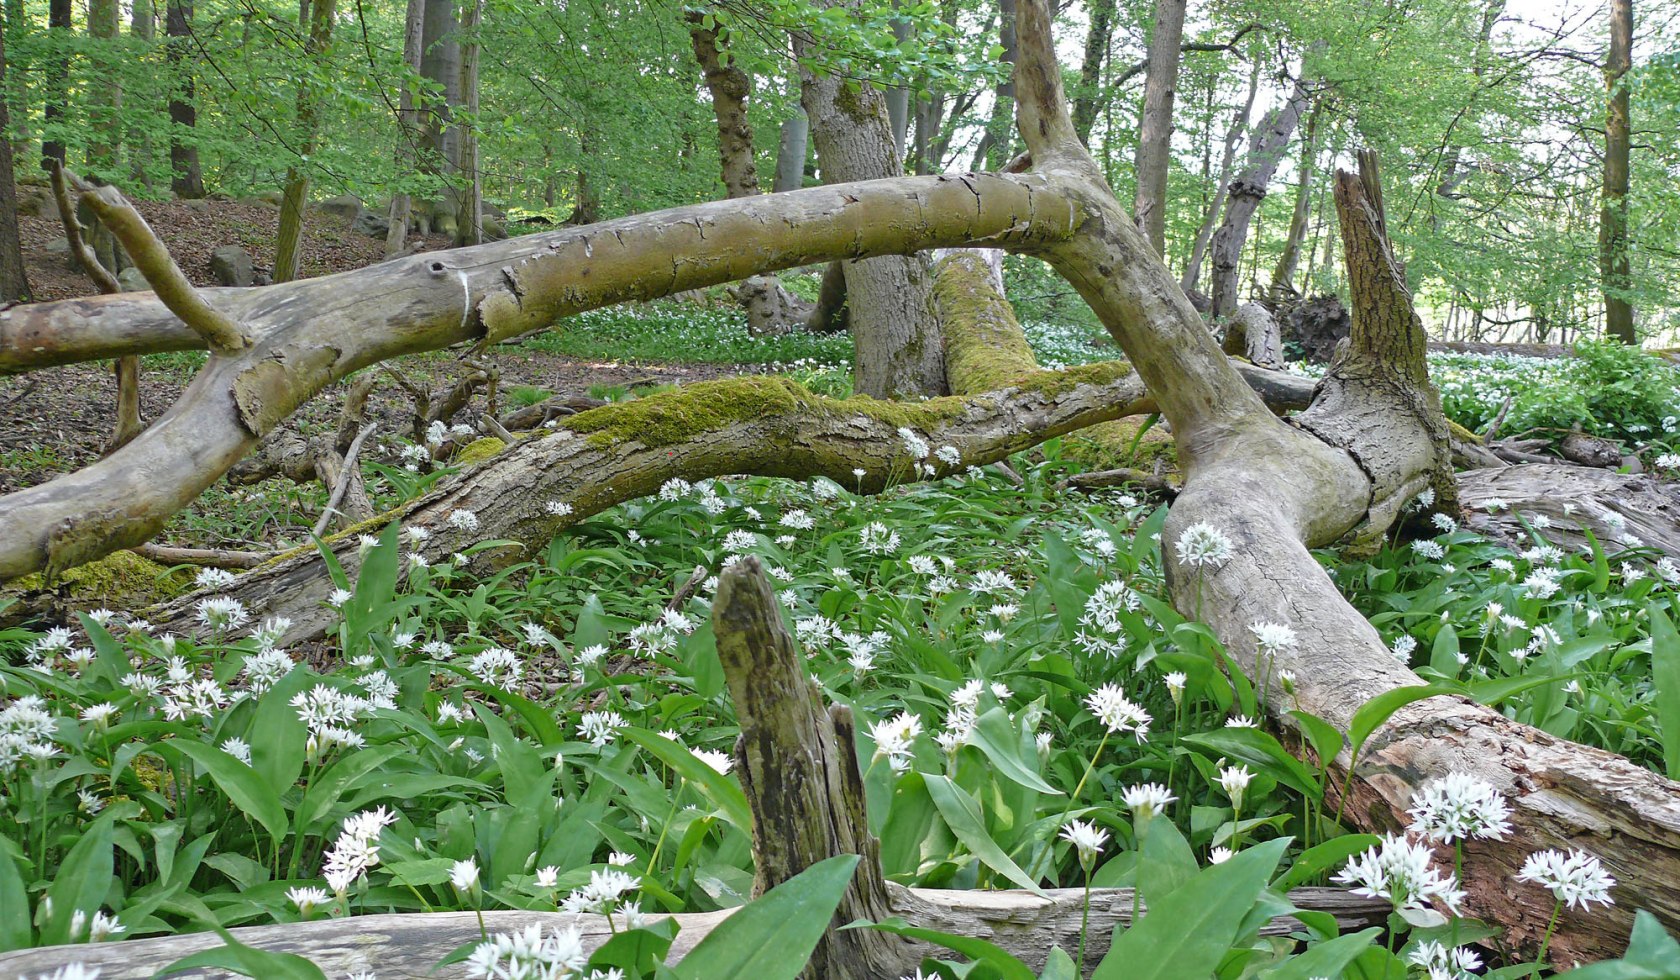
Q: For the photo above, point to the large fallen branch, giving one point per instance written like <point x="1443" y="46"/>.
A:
<point x="1559" y="501"/>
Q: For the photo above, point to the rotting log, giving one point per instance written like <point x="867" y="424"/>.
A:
<point x="1571" y="499"/>
<point x="411" y="944"/>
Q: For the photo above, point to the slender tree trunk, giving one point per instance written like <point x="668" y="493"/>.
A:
<point x="1090" y="70"/>
<point x="1154" y="149"/>
<point x="993" y="150"/>
<point x="288" y="244"/>
<point x="187" y="178"/>
<point x="58" y="77"/>
<point x="104" y="95"/>
<point x="408" y="127"/>
<point x="791" y="150"/>
<point x="1233" y="138"/>
<point x="1247" y="190"/>
<point x="20" y="25"/>
<point x="1283" y="274"/>
<point x="440" y="63"/>
<point x="890" y="299"/>
<point x="14" y="284"/>
<point x="469" y="221"/>
<point x="1614" y="266"/>
<point x="143" y="29"/>
<point x="898" y="97"/>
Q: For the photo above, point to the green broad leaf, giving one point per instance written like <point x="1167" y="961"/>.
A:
<point x="591" y="629"/>
<point x="981" y="952"/>
<point x="246" y="961"/>
<point x="995" y="735"/>
<point x="1059" y="966"/>
<point x="1652" y="954"/>
<point x="1326" y="959"/>
<point x="964" y="818"/>
<point x="908" y="820"/>
<point x="277" y="735"/>
<point x="1331" y="854"/>
<point x="1443" y="655"/>
<point x="82" y="881"/>
<point x="247" y="791"/>
<point x="1491" y="692"/>
<point x="1189" y="932"/>
<point x="1262" y="753"/>
<point x="722" y="790"/>
<point x="1325" y="738"/>
<point x="1374" y="713"/>
<point x="1166" y="861"/>
<point x="328" y="788"/>
<point x="14" y="925"/>
<point x="636" y="952"/>
<point x="111" y="661"/>
<point x="538" y="719"/>
<point x="1665" y="675"/>
<point x="771" y="938"/>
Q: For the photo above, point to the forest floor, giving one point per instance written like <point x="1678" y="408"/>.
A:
<point x="59" y="420"/>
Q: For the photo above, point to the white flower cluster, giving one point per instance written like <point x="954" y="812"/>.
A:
<point x="1117" y="713"/>
<point x="356" y="850"/>
<point x="602" y="894"/>
<point x="529" y="955"/>
<point x="895" y="738"/>
<point x="26" y="732"/>
<point x="1102" y="630"/>
<point x="1575" y="878"/>
<point x="1459" y="806"/>
<point x="1399" y="870"/>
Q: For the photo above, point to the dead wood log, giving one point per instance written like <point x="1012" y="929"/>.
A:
<point x="1252" y="332"/>
<point x="1622" y="510"/>
<point x="207" y="557"/>
<point x="410" y="945"/>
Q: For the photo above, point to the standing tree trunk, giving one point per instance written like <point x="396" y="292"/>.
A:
<point x="1247" y="190"/>
<point x="1090" y="70"/>
<point x="1233" y="137"/>
<point x="1154" y="149"/>
<point x="14" y="284"/>
<point x="408" y="127"/>
<point x="288" y="244"/>
<point x="440" y="63"/>
<point x="1614" y="268"/>
<point x="993" y="150"/>
<point x="143" y="29"/>
<point x="58" y="77"/>
<point x="187" y="178"/>
<point x="469" y="220"/>
<point x="105" y="95"/>
<point x="889" y="299"/>
<point x="1283" y="274"/>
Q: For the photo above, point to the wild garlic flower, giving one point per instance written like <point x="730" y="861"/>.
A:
<point x="1272" y="638"/>
<point x="949" y="455"/>
<point x="1575" y="878"/>
<point x="599" y="726"/>
<point x="603" y="891"/>
<point x="895" y="738"/>
<point x="1087" y="838"/>
<point x="1203" y="546"/>
<point x="992" y="581"/>
<point x="878" y="539"/>
<point x="357" y="848"/>
<point x="1459" y="806"/>
<point x="222" y="614"/>
<point x="463" y="520"/>
<point x="1399" y="870"/>
<point x="1175" y="682"/>
<point x="1117" y="712"/>
<point x="559" y="955"/>
<point x="1219" y="855"/>
<point x="306" y="898"/>
<point x="1446" y="963"/>
<point x="718" y="761"/>
<point x="238" y="748"/>
<point x="557" y="508"/>
<point x="1429" y="549"/>
<point x="1234" y="781"/>
<point x="798" y="520"/>
<point x="497" y="667"/>
<point x="213" y="578"/>
<point x="1147" y="799"/>
<point x="914" y="444"/>
<point x="464" y="875"/>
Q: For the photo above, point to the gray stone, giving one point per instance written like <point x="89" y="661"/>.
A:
<point x="371" y="223"/>
<point x="231" y="265"/>
<point x="345" y="206"/>
<point x="199" y="205"/>
<point x="271" y="198"/>
<point x="132" y="281"/>
<point x="492" y="227"/>
<point x="59" y="246"/>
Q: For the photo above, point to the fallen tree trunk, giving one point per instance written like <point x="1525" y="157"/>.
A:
<point x="1570" y="499"/>
<point x="411" y="944"/>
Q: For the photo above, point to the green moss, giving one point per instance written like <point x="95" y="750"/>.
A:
<point x="120" y="580"/>
<point x="1108" y="446"/>
<point x="705" y="406"/>
<point x="478" y="451"/>
<point x="984" y="346"/>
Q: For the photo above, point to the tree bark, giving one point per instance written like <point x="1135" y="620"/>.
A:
<point x="1097" y="37"/>
<point x="143" y="29"/>
<point x="408" y="127"/>
<point x="14" y="284"/>
<point x="1614" y="268"/>
<point x="995" y="142"/>
<point x="441" y="65"/>
<point x="1154" y="149"/>
<point x="105" y="96"/>
<point x="1233" y="136"/>
<point x="1246" y="192"/>
<point x="1283" y="274"/>
<point x="288" y="240"/>
<point x="58" y="78"/>
<point x="187" y="177"/>
<point x="896" y="335"/>
<point x="469" y="219"/>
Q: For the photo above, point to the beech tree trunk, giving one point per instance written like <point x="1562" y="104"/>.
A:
<point x="469" y="215"/>
<point x="993" y="150"/>
<point x="105" y="95"/>
<point x="58" y="77"/>
<point x="186" y="176"/>
<point x="1246" y="192"/>
<point x="1283" y="274"/>
<point x="142" y="27"/>
<point x="1154" y="149"/>
<point x="890" y="300"/>
<point x="1614" y="266"/>
<point x="288" y="240"/>
<point x="1233" y="136"/>
<point x="408" y="127"/>
<point x="14" y="284"/>
<point x="1097" y="37"/>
